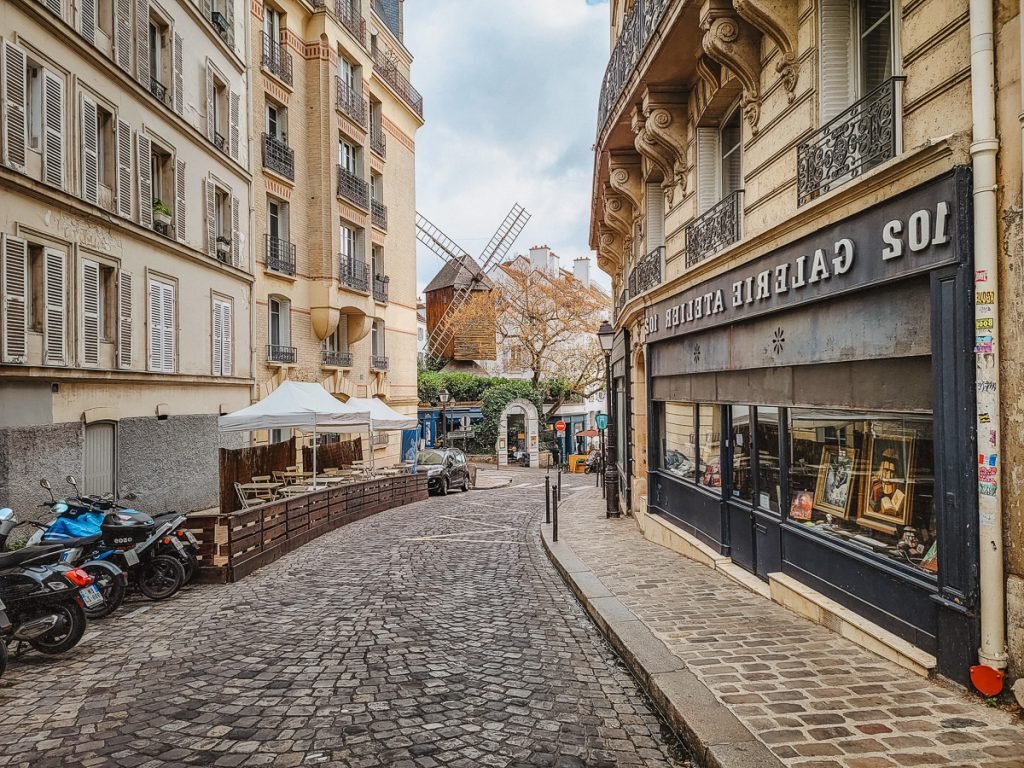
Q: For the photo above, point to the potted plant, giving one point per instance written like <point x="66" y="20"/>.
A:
<point x="161" y="213"/>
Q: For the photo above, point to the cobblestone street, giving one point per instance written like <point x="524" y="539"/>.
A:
<point x="434" y="634"/>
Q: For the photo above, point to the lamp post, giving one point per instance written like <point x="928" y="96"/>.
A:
<point x="606" y="335"/>
<point x="444" y="396"/>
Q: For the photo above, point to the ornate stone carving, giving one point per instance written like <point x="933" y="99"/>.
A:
<point x="654" y="153"/>
<point x="779" y="19"/>
<point x="626" y="177"/>
<point x="618" y="213"/>
<point x="733" y="43"/>
<point x="609" y="250"/>
<point x="666" y="123"/>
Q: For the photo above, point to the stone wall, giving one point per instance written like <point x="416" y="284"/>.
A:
<point x="27" y="454"/>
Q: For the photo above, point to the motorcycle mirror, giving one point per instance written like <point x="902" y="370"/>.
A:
<point x="45" y="484"/>
<point x="70" y="479"/>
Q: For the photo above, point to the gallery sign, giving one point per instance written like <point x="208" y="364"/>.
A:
<point x="914" y="233"/>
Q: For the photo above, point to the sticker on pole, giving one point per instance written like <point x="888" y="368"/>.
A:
<point x="602" y="421"/>
<point x="560" y="425"/>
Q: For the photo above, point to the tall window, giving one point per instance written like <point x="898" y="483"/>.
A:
<point x="731" y="147"/>
<point x="222" y="222"/>
<point x="378" y="261"/>
<point x="348" y="243"/>
<point x="280" y="322"/>
<point x="857" y="51"/>
<point x="377" y="346"/>
<point x="277" y="125"/>
<point x="277" y="219"/>
<point x="876" y="43"/>
<point x="719" y="161"/>
<point x="272" y="23"/>
<point x="347" y="72"/>
<point x="347" y="157"/>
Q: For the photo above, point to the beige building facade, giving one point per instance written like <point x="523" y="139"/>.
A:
<point x="125" y="265"/>
<point x="807" y="210"/>
<point x="334" y="202"/>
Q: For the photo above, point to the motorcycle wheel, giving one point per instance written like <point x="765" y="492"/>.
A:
<point x="161" y="577"/>
<point x="66" y="634"/>
<point x="111" y="587"/>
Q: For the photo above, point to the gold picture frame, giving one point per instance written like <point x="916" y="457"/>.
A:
<point x="837" y="477"/>
<point x="888" y="498"/>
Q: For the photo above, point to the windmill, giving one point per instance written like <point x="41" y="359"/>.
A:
<point x="443" y="332"/>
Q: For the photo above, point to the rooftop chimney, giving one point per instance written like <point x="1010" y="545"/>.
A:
<point x="539" y="257"/>
<point x="581" y="270"/>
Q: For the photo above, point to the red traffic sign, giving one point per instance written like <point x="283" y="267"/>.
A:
<point x="560" y="425"/>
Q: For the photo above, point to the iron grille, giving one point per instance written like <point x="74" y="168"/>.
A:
<point x="333" y="359"/>
<point x="647" y="272"/>
<point x="379" y="214"/>
<point x="378" y="140"/>
<point x="383" y="438"/>
<point x="158" y="89"/>
<point x="864" y="136"/>
<point x="379" y="362"/>
<point x="278" y="156"/>
<point x="715" y="229"/>
<point x="350" y="17"/>
<point x="351" y="103"/>
<point x="353" y="189"/>
<point x="354" y="273"/>
<point x="218" y="142"/>
<point x="276" y="59"/>
<point x="388" y="71"/>
<point x="380" y="288"/>
<point x="280" y="256"/>
<point x="220" y="23"/>
<point x="279" y="354"/>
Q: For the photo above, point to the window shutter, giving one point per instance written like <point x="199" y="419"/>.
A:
<point x="55" y="7"/>
<point x="90" y="151"/>
<point x="14" y="96"/>
<point x="124" y="320"/>
<point x="87" y="20"/>
<point x="179" y="200"/>
<point x="53" y="129"/>
<point x="655" y="216"/>
<point x="177" y="82"/>
<point x="123" y="34"/>
<point x="236" y="245"/>
<point x="145" y="153"/>
<point x="218" y="335"/>
<point x="90" y="313"/>
<point x="142" y="72"/>
<point x="169" y="329"/>
<point x="211" y="118"/>
<point x="227" y="361"/>
<point x="13" y="286"/>
<point x="709" y="161"/>
<point x="54" y="303"/>
<point x="124" y="169"/>
<point x="211" y="218"/>
<point x="156" y="326"/>
<point x="835" y="57"/>
<point x="235" y="119"/>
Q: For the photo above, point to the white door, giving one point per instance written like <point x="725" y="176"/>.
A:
<point x="100" y="458"/>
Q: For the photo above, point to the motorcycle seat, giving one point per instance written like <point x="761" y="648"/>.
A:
<point x="81" y="541"/>
<point x="27" y="554"/>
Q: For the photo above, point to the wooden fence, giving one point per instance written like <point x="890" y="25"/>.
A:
<point x="341" y="454"/>
<point x="242" y="465"/>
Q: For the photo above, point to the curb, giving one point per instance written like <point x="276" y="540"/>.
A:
<point x="713" y="734"/>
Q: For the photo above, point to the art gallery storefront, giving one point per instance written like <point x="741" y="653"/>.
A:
<point x="812" y="414"/>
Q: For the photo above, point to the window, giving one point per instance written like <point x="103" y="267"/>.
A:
<point x="875" y="52"/>
<point x="376" y="187"/>
<point x="34" y="105"/>
<point x="337" y="342"/>
<point x="278" y="436"/>
<point x="731" y="144"/>
<point x="280" y="322"/>
<point x="277" y="126"/>
<point x="277" y="219"/>
<point x="106" y="148"/>
<point x="272" y="23"/>
<point x="769" y="474"/>
<point x="347" y="72"/>
<point x="162" y="169"/>
<point x="709" y="445"/>
<point x="377" y="346"/>
<point x="159" y="56"/>
<point x="162" y="326"/>
<point x="347" y="157"/>
<point x="349" y="242"/>
<point x="742" y="445"/>
<point x="654" y="209"/>
<point x="108" y="303"/>
<point x="857" y="52"/>
<point x="34" y="288"/>
<point x="222" y="223"/>
<point x="678" y="427"/>
<point x="378" y="261"/>
<point x="222" y="338"/>
<point x="105" y="16"/>
<point x="719" y="161"/>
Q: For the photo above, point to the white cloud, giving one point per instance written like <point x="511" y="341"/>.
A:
<point x="510" y="90"/>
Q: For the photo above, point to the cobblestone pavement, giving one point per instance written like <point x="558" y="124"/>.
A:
<point x="814" y="698"/>
<point x="435" y="634"/>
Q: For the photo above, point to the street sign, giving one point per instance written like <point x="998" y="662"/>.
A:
<point x="560" y="425"/>
<point x="602" y="421"/>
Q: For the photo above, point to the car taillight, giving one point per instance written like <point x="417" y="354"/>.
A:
<point x="78" y="577"/>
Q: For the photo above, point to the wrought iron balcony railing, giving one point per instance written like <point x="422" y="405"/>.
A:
<point x="220" y="24"/>
<point x="276" y="59"/>
<point x="353" y="273"/>
<point x="378" y="140"/>
<point x="158" y="89"/>
<point x="351" y="103"/>
<point x="379" y="362"/>
<point x="379" y="214"/>
<point x="332" y="359"/>
<point x="390" y="74"/>
<point x="279" y="354"/>
<point x="864" y="136"/>
<point x="353" y="189"/>
<point x="348" y="14"/>
<point x="380" y="288"/>
<point x="648" y="272"/>
<point x="219" y="142"/>
<point x="716" y="228"/>
<point x="280" y="256"/>
<point x="623" y="298"/>
<point x="638" y="28"/>
<point x="383" y="438"/>
<point x="278" y="156"/>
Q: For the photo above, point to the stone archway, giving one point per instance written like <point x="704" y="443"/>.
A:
<point x="529" y="411"/>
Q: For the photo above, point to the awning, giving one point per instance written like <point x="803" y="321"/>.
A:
<point x="299" y="405"/>
<point x="383" y="418"/>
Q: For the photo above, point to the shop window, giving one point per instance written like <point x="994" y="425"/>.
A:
<point x="769" y="474"/>
<point x="709" y="443"/>
<point x="742" y="440"/>
<point x="678" y="426"/>
<point x="866" y="479"/>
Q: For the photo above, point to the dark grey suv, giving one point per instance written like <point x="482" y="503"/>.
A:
<point x="446" y="469"/>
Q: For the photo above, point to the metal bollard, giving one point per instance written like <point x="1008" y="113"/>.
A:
<point x="547" y="501"/>
<point x="554" y="516"/>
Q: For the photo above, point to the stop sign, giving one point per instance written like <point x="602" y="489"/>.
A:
<point x="560" y="425"/>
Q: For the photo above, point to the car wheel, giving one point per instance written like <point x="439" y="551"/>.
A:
<point x="442" y="487"/>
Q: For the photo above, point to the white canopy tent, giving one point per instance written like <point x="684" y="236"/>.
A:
<point x="383" y="418"/>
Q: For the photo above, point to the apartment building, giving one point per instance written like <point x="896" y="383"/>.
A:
<point x="334" y="202"/>
<point x="797" y="203"/>
<point x="124" y="261"/>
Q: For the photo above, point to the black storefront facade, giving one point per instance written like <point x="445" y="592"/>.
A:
<point x="812" y="414"/>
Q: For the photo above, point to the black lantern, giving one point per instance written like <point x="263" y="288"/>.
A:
<point x="444" y="396"/>
<point x="606" y="335"/>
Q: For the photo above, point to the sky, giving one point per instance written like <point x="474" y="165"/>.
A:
<point x="510" y="90"/>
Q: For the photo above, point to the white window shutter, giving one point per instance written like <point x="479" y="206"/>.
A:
<point x="124" y="169"/>
<point x="145" y="153"/>
<point x="235" y="116"/>
<point x="124" y="320"/>
<point x="835" y="57"/>
<point x="13" y="93"/>
<point x="54" y="304"/>
<point x="13" y="298"/>
<point x="709" y="163"/>
<point x="179" y="200"/>
<point x="211" y="94"/>
<point x="169" y="329"/>
<point x="156" y="326"/>
<point x="90" y="151"/>
<point x="236" y="244"/>
<point x="53" y="129"/>
<point x="655" y="205"/>
<point x="55" y="7"/>
<point x="90" y="313"/>
<point x="210" y="196"/>
<point x="218" y="336"/>
<point x="227" y="361"/>
<point x="177" y="81"/>
<point x="87" y="20"/>
<point x="123" y="34"/>
<point x="142" y="72"/>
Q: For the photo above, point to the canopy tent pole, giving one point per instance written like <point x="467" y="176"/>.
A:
<point x="314" y="455"/>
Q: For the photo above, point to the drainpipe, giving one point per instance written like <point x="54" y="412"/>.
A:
<point x="984" y="147"/>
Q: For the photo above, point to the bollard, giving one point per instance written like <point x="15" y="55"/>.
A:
<point x="547" y="500"/>
<point x="554" y="516"/>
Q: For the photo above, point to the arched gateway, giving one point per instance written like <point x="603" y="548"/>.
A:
<point x="528" y="411"/>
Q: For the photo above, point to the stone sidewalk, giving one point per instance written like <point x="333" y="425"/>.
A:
<point x="716" y="656"/>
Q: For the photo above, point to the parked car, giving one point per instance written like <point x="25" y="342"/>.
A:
<point x="446" y="469"/>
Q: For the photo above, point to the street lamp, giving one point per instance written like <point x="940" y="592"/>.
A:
<point x="606" y="335"/>
<point x="444" y="396"/>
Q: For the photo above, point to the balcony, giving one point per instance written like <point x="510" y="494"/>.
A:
<point x="284" y="355"/>
<point x="379" y="214"/>
<point x="378" y="363"/>
<point x="378" y="140"/>
<point x="280" y="256"/>
<point x="351" y="19"/>
<point x="351" y="103"/>
<point x="278" y="157"/>
<point x="715" y="229"/>
<point x="647" y="273"/>
<point x="219" y="142"/>
<point x="353" y="273"/>
<point x="276" y="59"/>
<point x="380" y="439"/>
<point x="388" y="71"/>
<point x="221" y="26"/>
<point x="331" y="359"/>
<point x="617" y="309"/>
<point x="380" y="288"/>
<point x="853" y="142"/>
<point x="158" y="89"/>
<point x="353" y="189"/>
